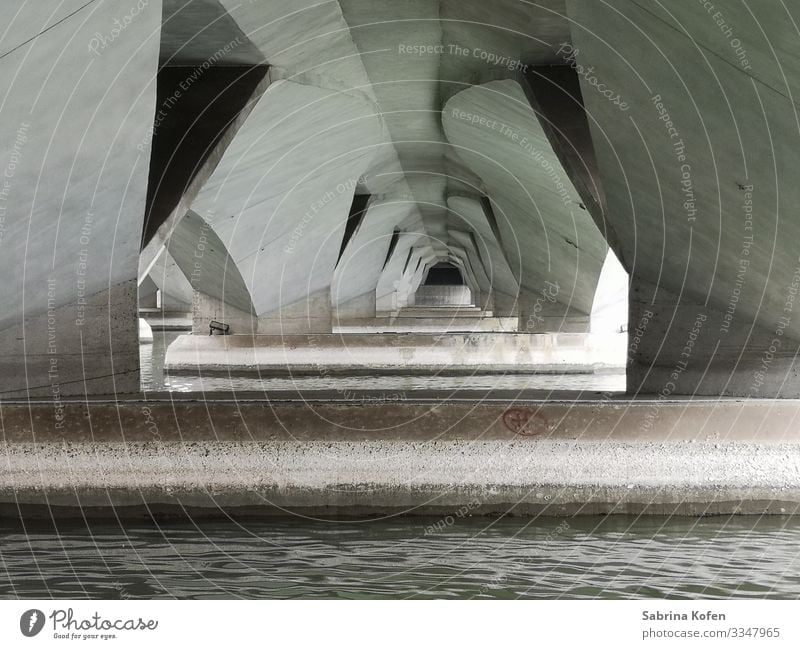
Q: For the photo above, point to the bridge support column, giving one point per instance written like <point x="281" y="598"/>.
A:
<point x="542" y="312"/>
<point x="680" y="347"/>
<point x="207" y="308"/>
<point x="75" y="142"/>
<point x="312" y="315"/>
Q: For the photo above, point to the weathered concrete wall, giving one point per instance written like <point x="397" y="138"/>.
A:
<point x="77" y="105"/>
<point x="669" y="457"/>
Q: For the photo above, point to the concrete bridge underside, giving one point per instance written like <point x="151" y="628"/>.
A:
<point x="421" y="186"/>
<point x="306" y="169"/>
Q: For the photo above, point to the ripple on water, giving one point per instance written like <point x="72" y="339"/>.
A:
<point x="474" y="558"/>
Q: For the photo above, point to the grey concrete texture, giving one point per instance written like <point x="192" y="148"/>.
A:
<point x="695" y="458"/>
<point x="680" y="347"/>
<point x="74" y="110"/>
<point x="395" y="477"/>
<point x="167" y="276"/>
<point x="204" y="260"/>
<point x="546" y="236"/>
<point x="696" y="157"/>
<point x="697" y="170"/>
<point x="604" y="418"/>
<point x="280" y="196"/>
<point x="364" y="259"/>
<point x="91" y="347"/>
<point x="356" y="53"/>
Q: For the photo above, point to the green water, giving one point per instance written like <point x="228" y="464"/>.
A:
<point x="587" y="557"/>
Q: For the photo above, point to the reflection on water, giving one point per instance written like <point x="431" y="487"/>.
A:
<point x="586" y="557"/>
<point x="154" y="379"/>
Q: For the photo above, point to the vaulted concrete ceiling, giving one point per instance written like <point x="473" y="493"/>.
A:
<point x="367" y="81"/>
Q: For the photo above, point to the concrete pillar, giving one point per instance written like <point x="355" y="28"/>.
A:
<point x="218" y="291"/>
<point x="545" y="311"/>
<point x="698" y="166"/>
<point x="504" y="305"/>
<point x="207" y="308"/>
<point x="310" y="315"/>
<point x="684" y="347"/>
<point x="75" y="137"/>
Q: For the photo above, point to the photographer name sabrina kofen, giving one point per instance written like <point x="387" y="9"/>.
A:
<point x="699" y="616"/>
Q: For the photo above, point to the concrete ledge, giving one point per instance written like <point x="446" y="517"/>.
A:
<point x="460" y="324"/>
<point x="346" y="460"/>
<point x="378" y="477"/>
<point x="165" y="321"/>
<point x="407" y="353"/>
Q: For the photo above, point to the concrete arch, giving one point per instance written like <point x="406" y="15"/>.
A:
<point x="501" y="282"/>
<point x="355" y="282"/>
<point x="218" y="290"/>
<point x="545" y="235"/>
<point x="281" y="194"/>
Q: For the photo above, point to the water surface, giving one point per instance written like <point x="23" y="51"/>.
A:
<point x="585" y="557"/>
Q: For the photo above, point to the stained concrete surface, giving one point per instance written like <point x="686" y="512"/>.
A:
<point x="692" y="458"/>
